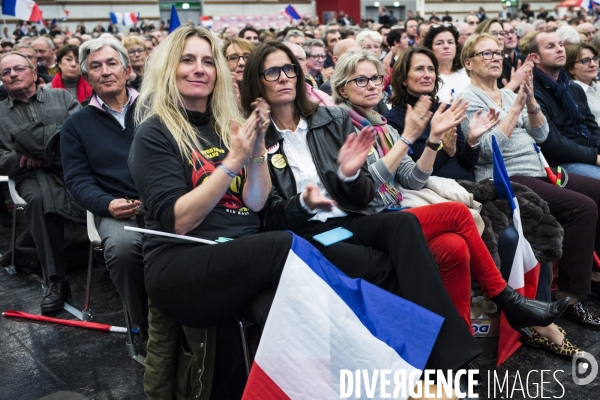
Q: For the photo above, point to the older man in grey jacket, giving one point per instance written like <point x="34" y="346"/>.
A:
<point x="32" y="113"/>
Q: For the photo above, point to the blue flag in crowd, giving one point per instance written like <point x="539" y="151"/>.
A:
<point x="174" y="19"/>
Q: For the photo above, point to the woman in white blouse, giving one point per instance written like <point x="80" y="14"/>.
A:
<point x="582" y="67"/>
<point x="443" y="41"/>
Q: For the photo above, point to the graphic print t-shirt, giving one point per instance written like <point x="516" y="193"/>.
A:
<point x="230" y="217"/>
<point x="163" y="176"/>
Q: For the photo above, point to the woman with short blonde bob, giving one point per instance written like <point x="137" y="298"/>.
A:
<point x="236" y="52"/>
<point x="574" y="206"/>
<point x="138" y="53"/>
<point x="190" y="130"/>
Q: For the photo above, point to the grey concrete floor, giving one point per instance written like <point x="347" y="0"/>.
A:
<point x="42" y="360"/>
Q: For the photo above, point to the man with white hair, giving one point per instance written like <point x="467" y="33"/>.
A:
<point x="95" y="146"/>
<point x="46" y="53"/>
<point x="568" y="34"/>
<point x="295" y="36"/>
<point x="539" y="25"/>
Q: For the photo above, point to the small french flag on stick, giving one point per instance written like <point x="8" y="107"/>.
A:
<point x="291" y="11"/>
<point x="525" y="270"/>
<point x="26" y="10"/>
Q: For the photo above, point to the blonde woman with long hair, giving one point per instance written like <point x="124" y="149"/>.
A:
<point x="201" y="172"/>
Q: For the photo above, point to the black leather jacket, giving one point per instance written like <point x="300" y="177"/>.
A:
<point x="328" y="128"/>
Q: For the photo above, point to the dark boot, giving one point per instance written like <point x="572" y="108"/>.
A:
<point x="57" y="294"/>
<point x="522" y="312"/>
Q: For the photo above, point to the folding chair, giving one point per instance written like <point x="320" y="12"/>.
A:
<point x="241" y="322"/>
<point x="85" y="314"/>
<point x="19" y="205"/>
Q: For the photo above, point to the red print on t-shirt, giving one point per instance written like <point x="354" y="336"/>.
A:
<point x="202" y="169"/>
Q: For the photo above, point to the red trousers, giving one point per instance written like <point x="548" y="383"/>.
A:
<point x="459" y="252"/>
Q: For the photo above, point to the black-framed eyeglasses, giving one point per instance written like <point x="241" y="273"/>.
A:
<point x="272" y="74"/>
<point x="317" y="56"/>
<point x="19" y="69"/>
<point x="234" y="58"/>
<point x="363" y="81"/>
<point x="135" y="51"/>
<point x="488" y="54"/>
<point x="588" y="60"/>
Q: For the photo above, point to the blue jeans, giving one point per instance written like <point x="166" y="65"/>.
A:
<point x="589" y="170"/>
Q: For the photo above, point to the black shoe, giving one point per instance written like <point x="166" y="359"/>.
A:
<point x="55" y="297"/>
<point x="581" y="314"/>
<point x="522" y="312"/>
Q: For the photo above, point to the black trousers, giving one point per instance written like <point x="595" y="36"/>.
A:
<point x="575" y="207"/>
<point x="390" y="251"/>
<point x="47" y="230"/>
<point x="199" y="285"/>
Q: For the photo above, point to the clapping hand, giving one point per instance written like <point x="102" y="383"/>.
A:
<point x="353" y="153"/>
<point x="417" y="118"/>
<point x="263" y="113"/>
<point x="523" y="69"/>
<point x="243" y="140"/>
<point x="314" y="199"/>
<point x="443" y="121"/>
<point x="481" y="123"/>
<point x="449" y="140"/>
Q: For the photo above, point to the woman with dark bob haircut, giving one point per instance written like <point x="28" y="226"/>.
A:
<point x="443" y="41"/>
<point x="321" y="182"/>
<point x="415" y="75"/>
<point x="69" y="76"/>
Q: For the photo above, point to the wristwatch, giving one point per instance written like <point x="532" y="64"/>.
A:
<point x="535" y="110"/>
<point x="434" y="146"/>
<point x="259" y="160"/>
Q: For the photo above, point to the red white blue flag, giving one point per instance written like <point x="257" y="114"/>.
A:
<point x="26" y="10"/>
<point x="525" y="271"/>
<point x="324" y="326"/>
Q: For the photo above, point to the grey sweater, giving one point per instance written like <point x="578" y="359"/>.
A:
<point x="518" y="152"/>
<point x="408" y="174"/>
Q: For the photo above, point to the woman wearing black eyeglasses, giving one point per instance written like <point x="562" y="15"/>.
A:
<point x="321" y="182"/>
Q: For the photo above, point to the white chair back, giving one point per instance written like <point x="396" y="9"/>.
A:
<point x="17" y="200"/>
<point x="93" y="234"/>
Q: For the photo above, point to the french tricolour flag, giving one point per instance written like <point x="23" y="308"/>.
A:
<point x="525" y="270"/>
<point x="26" y="10"/>
<point x="323" y="322"/>
<point x="126" y="19"/>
